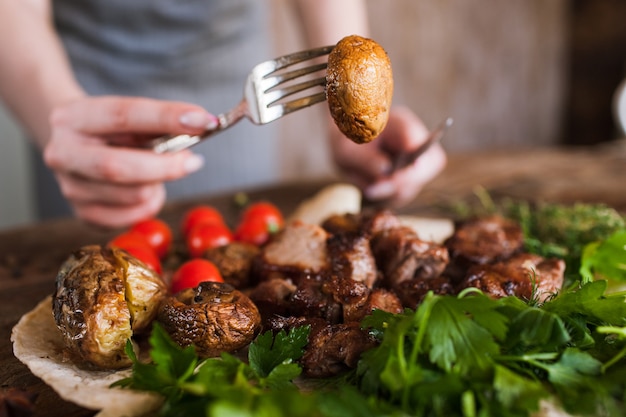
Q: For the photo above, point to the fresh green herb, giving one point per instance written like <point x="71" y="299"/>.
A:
<point x="225" y="385"/>
<point x="464" y="356"/>
<point x="475" y="356"/>
<point x="605" y="259"/>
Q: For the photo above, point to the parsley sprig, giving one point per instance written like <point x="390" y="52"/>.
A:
<point x="471" y="355"/>
<point x="466" y="355"/>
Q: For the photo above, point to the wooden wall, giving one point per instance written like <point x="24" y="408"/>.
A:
<point x="512" y="73"/>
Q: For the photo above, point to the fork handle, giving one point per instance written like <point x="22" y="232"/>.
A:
<point x="175" y="143"/>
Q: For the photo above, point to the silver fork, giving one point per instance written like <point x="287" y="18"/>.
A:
<point x="405" y="159"/>
<point x="263" y="101"/>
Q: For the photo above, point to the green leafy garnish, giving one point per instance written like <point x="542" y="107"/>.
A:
<point x="475" y="356"/>
<point x="226" y="383"/>
<point x="605" y="259"/>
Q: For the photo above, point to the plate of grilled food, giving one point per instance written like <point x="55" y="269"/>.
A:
<point x="340" y="307"/>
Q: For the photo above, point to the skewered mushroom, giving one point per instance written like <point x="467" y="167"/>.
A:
<point x="359" y="87"/>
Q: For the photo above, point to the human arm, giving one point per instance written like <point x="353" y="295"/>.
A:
<point x="368" y="166"/>
<point x="108" y="186"/>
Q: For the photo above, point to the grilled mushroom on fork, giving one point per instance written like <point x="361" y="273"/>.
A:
<point x="263" y="99"/>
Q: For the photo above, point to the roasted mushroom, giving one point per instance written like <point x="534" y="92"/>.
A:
<point x="213" y="317"/>
<point x="103" y="296"/>
<point x="359" y="87"/>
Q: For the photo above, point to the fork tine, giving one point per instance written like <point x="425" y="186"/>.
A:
<point x="273" y="81"/>
<point x="282" y="109"/>
<point x="273" y="96"/>
<point x="273" y="65"/>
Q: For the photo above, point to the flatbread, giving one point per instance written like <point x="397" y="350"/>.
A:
<point x="38" y="344"/>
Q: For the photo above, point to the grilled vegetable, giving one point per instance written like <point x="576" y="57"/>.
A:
<point x="103" y="296"/>
<point x="359" y="88"/>
<point x="214" y="317"/>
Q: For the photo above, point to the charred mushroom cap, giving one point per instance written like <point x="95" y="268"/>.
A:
<point x="103" y="296"/>
<point x="213" y="317"/>
<point x="359" y="88"/>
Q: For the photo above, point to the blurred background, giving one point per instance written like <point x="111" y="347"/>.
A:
<point x="512" y="74"/>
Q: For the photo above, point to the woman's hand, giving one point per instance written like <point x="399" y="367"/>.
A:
<point x="368" y="166"/>
<point x="107" y="181"/>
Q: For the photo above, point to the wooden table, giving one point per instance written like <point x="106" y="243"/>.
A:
<point x="30" y="256"/>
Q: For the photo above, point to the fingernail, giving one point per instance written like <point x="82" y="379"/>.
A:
<point x="197" y="119"/>
<point x="380" y="190"/>
<point x="193" y="163"/>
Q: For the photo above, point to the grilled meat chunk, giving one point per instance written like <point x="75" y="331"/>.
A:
<point x="523" y="275"/>
<point x="377" y="299"/>
<point x="376" y="221"/>
<point x="351" y="257"/>
<point x="484" y="240"/>
<point x="333" y="349"/>
<point x="367" y="223"/>
<point x="296" y="252"/>
<point x="287" y="323"/>
<point x="412" y="292"/>
<point x="357" y="300"/>
<point x="234" y="261"/>
<point x="311" y="300"/>
<point x="102" y="297"/>
<point x="342" y="223"/>
<point x="213" y="317"/>
<point x="272" y="298"/>
<point x="401" y="255"/>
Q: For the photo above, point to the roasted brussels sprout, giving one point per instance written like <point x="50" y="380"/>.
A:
<point x="103" y="296"/>
<point x="213" y="317"/>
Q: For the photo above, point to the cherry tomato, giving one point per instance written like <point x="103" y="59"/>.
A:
<point x="254" y="230"/>
<point x="205" y="236"/>
<point x="129" y="239"/>
<point x="266" y="211"/>
<point x="137" y="245"/>
<point x="193" y="272"/>
<point x="200" y="214"/>
<point x="147" y="256"/>
<point x="157" y="233"/>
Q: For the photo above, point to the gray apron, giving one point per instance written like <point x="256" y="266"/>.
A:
<point x="197" y="51"/>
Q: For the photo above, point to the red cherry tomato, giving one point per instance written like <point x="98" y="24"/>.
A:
<point x="205" y="236"/>
<point x="200" y="214"/>
<point x="137" y="245"/>
<point x="254" y="231"/>
<point x="129" y="239"/>
<point x="157" y="233"/>
<point x="193" y="272"/>
<point x="266" y="211"/>
<point x="147" y="256"/>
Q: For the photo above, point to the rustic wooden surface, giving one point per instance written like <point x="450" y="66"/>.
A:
<point x="30" y="256"/>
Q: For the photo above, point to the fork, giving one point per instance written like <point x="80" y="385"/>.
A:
<point x="403" y="160"/>
<point x="263" y="101"/>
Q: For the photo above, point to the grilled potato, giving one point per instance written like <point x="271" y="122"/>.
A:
<point x="359" y="88"/>
<point x="103" y="296"/>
